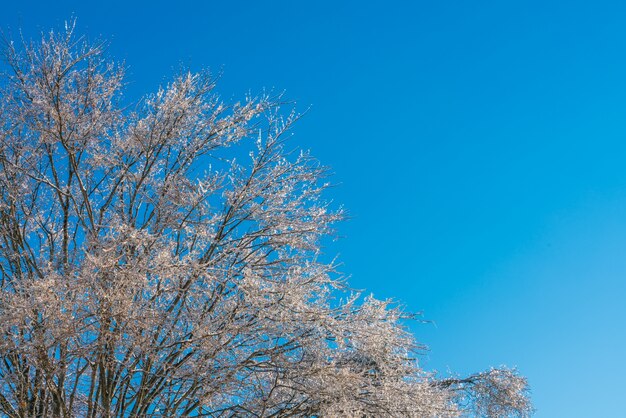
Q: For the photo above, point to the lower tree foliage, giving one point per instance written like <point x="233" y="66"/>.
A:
<point x="165" y="260"/>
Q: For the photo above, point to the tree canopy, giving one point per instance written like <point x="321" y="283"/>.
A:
<point x="165" y="259"/>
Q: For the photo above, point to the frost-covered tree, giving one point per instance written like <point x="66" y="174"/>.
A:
<point x="164" y="259"/>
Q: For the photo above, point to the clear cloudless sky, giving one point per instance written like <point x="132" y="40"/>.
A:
<point x="480" y="147"/>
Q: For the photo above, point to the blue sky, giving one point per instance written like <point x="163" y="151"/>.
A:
<point x="480" y="148"/>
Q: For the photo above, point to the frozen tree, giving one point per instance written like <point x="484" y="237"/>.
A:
<point x="164" y="259"/>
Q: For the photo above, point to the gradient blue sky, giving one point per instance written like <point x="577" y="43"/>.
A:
<point x="480" y="148"/>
